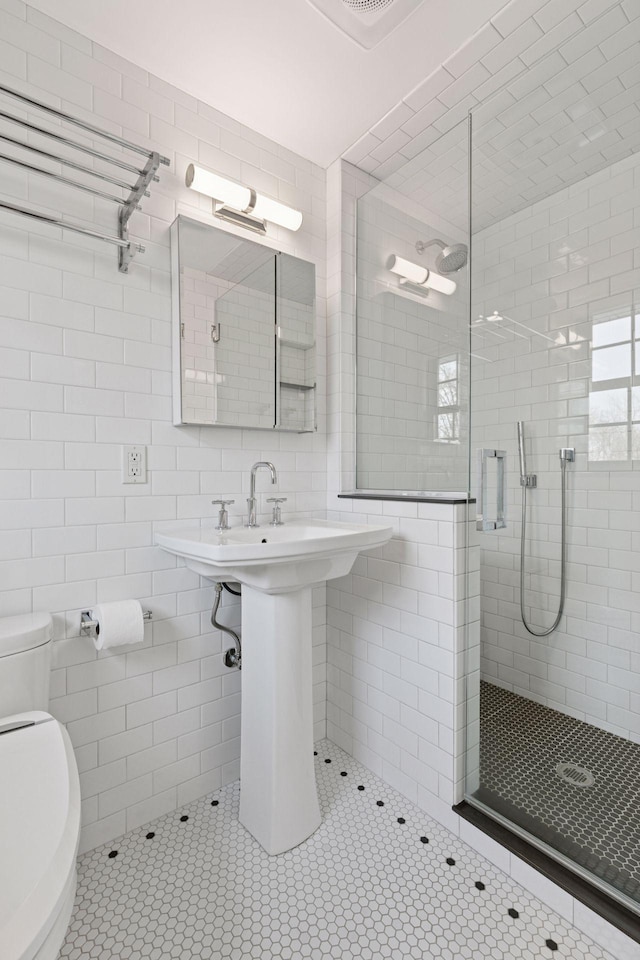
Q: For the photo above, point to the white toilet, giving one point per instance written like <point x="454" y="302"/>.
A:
<point x="39" y="798"/>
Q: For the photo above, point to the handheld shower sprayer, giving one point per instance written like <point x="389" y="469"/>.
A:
<point x="526" y="479"/>
<point x="521" y="454"/>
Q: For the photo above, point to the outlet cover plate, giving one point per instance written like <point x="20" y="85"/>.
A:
<point x="134" y="464"/>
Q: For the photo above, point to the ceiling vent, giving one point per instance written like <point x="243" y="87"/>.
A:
<point x="366" y="21"/>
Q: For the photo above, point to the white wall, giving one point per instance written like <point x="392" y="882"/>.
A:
<point x="563" y="267"/>
<point x="86" y="367"/>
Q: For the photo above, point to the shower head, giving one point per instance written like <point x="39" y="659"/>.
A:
<point x="452" y="258"/>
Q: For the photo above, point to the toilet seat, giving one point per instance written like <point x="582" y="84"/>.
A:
<point x="39" y="834"/>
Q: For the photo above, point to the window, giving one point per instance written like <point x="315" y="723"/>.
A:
<point x="614" y="398"/>
<point x="448" y="414"/>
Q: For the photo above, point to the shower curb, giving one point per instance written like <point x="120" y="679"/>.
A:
<point x="587" y="893"/>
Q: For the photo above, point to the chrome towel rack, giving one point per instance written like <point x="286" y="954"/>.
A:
<point x="132" y="193"/>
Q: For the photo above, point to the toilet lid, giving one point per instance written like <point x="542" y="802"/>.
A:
<point x="39" y="828"/>
<point x="24" y="632"/>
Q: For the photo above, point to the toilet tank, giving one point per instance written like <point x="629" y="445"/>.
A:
<point x="25" y="663"/>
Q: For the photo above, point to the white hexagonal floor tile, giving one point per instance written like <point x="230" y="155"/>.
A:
<point x="378" y="879"/>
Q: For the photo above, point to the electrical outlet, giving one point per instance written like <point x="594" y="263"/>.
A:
<point x="134" y="464"/>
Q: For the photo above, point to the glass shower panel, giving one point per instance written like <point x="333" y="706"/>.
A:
<point x="555" y="341"/>
<point x="412" y="324"/>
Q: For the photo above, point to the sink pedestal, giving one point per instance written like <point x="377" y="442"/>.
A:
<point x="278" y="796"/>
<point x="277" y="568"/>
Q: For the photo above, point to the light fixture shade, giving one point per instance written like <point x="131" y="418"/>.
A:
<point x="219" y="188"/>
<point x="410" y="271"/>
<point x="442" y="284"/>
<point x="266" y="209"/>
<point x="242" y="199"/>
<point x="421" y="276"/>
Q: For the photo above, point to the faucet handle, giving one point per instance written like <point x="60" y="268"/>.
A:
<point x="276" y="519"/>
<point x="223" y="516"/>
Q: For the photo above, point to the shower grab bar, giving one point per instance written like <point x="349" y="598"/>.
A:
<point x="482" y="522"/>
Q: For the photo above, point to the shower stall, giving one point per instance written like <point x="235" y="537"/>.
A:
<point x="554" y="380"/>
<point x="520" y="389"/>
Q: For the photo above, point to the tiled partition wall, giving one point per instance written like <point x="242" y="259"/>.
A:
<point x="86" y="361"/>
<point x="395" y="649"/>
<point x="568" y="268"/>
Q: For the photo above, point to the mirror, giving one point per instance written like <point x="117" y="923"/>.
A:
<point x="243" y="332"/>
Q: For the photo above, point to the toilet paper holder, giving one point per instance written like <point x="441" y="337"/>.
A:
<point x="88" y="625"/>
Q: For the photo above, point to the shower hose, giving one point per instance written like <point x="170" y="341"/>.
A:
<point x="563" y="561"/>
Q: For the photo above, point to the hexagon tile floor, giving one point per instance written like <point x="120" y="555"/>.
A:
<point x="378" y="879"/>
<point x="594" y="820"/>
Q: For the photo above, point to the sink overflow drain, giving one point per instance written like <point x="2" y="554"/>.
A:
<point x="575" y="775"/>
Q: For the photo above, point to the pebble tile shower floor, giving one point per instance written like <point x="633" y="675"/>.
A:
<point x="379" y="879"/>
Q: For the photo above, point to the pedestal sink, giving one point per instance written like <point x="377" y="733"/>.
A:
<point x="277" y="567"/>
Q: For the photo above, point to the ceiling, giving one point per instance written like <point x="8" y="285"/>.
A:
<point x="280" y="68"/>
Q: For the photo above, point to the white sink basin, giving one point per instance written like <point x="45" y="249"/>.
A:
<point x="277" y="567"/>
<point x="275" y="559"/>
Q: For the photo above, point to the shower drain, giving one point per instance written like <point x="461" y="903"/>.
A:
<point x="575" y="775"/>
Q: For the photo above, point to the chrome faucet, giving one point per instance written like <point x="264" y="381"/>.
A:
<point x="251" y="502"/>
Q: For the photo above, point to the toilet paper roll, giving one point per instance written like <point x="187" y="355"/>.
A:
<point x="119" y="623"/>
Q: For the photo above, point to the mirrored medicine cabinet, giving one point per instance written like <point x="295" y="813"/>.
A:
<point x="243" y="332"/>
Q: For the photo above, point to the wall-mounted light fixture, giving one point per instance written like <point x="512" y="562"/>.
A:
<point x="239" y="204"/>
<point x="417" y="276"/>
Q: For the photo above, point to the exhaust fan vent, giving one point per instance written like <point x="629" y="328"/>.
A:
<point x="366" y="21"/>
<point x="365" y="6"/>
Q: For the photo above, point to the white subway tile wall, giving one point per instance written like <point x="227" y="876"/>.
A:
<point x="396" y="630"/>
<point x="565" y="273"/>
<point x="86" y="366"/>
